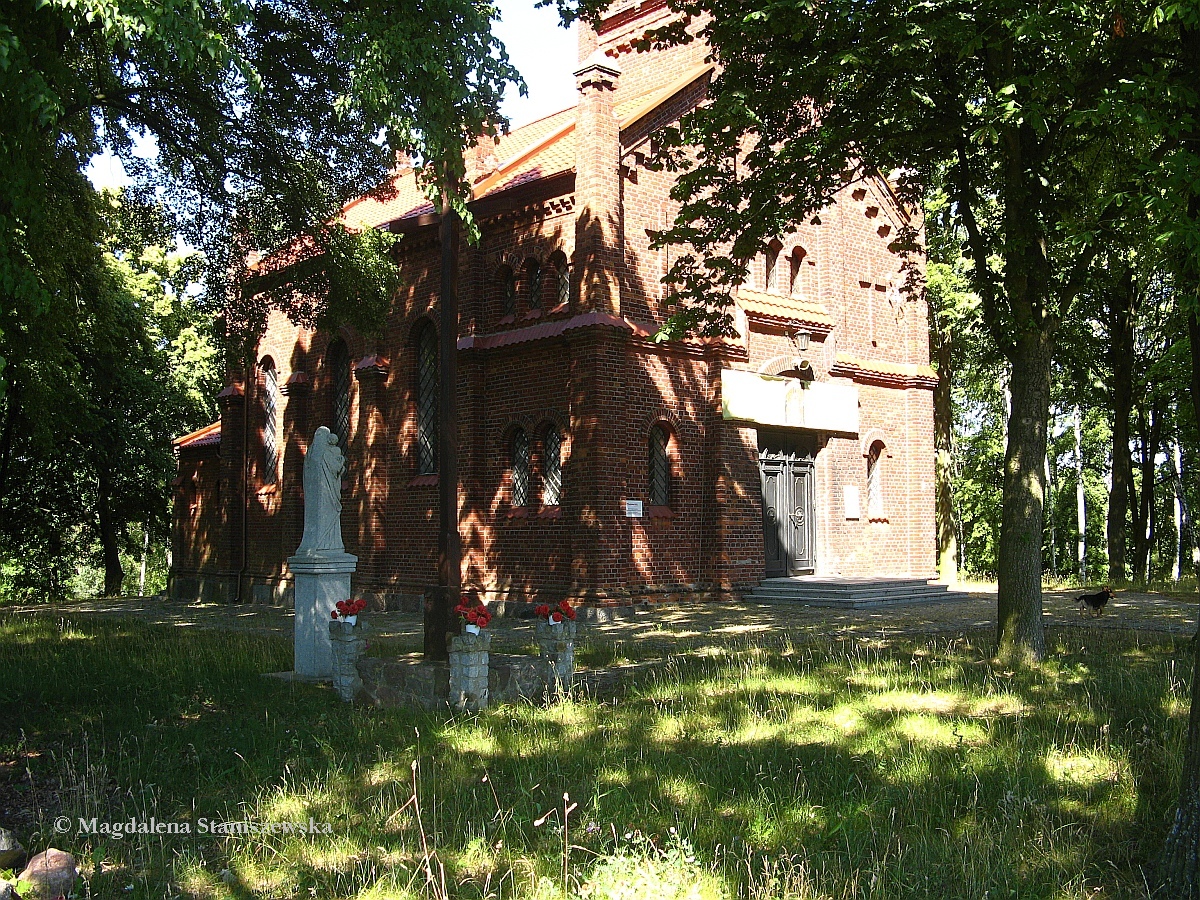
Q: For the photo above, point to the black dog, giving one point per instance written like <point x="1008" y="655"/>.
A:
<point x="1096" y="601"/>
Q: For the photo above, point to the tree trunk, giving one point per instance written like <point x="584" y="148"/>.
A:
<point x="1121" y="358"/>
<point x="1020" y="634"/>
<point x="1176" y="459"/>
<point x="113" y="573"/>
<point x="943" y="433"/>
<point x="1179" y="872"/>
<point x="1145" y="513"/>
<point x="1080" y="500"/>
<point x="1179" y="868"/>
<point x="11" y="406"/>
<point x="1050" y="513"/>
<point x="440" y="602"/>
<point x="145" y="554"/>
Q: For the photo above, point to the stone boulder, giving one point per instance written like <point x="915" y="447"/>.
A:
<point x="53" y="874"/>
<point x="11" y="851"/>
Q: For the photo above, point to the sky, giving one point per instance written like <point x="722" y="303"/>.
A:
<point x="545" y="54"/>
<point x="543" y="51"/>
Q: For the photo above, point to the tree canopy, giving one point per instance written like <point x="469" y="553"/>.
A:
<point x="1019" y="112"/>
<point x="260" y="120"/>
<point x="245" y="127"/>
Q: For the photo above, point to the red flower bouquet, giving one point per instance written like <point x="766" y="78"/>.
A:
<point x="555" y="616"/>
<point x="348" y="610"/>
<point x="476" y="616"/>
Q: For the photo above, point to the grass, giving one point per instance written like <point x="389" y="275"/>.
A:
<point x="756" y="768"/>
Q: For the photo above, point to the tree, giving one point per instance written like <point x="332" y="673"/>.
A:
<point x="1015" y="100"/>
<point x="261" y="119"/>
<point x="1173" y="195"/>
<point x="265" y="118"/>
<point x="97" y="463"/>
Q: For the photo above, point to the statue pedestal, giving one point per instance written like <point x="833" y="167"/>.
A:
<point x="322" y="579"/>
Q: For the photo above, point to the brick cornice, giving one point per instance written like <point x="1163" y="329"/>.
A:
<point x="373" y="366"/>
<point x="699" y="348"/>
<point x="297" y="385"/>
<point x="233" y="395"/>
<point x="541" y="331"/>
<point x="884" y="374"/>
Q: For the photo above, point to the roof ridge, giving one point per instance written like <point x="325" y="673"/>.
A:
<point x="557" y="112"/>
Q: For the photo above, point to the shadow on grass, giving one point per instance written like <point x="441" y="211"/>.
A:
<point x="873" y="769"/>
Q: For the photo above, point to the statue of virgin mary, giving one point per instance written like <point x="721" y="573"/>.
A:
<point x="323" y="468"/>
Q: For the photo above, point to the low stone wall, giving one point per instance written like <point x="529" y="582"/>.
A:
<point x="410" y="681"/>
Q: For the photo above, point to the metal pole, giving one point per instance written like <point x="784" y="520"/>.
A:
<point x="439" y="603"/>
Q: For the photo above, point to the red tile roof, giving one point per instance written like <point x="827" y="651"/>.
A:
<point x="541" y="149"/>
<point x="783" y="308"/>
<point x="208" y="436"/>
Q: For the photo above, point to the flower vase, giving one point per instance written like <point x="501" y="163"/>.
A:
<point x="348" y="641"/>
<point x="350" y="620"/>
<point x="471" y="629"/>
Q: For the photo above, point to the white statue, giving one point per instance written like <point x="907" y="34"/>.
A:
<point x="323" y="468"/>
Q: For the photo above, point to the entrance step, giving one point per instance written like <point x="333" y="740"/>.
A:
<point x="852" y="593"/>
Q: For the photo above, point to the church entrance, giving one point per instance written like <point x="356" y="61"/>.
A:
<point x="785" y="465"/>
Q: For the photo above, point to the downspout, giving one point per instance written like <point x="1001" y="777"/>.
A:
<point x="245" y="560"/>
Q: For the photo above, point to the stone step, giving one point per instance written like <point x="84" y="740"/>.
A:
<point x="864" y="592"/>
<point x="852" y="593"/>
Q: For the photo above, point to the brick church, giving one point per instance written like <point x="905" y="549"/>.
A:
<point x="595" y="464"/>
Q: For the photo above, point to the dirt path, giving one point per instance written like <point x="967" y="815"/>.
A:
<point x="660" y="629"/>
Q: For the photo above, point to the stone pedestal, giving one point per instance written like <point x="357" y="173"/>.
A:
<point x="469" y="670"/>
<point x="322" y="579"/>
<point x="348" y="643"/>
<point x="556" y="645"/>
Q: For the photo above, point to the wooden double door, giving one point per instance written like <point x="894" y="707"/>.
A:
<point x="785" y="465"/>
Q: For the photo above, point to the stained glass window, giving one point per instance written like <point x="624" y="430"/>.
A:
<point x="875" y="508"/>
<point x="520" y="468"/>
<point x="338" y="360"/>
<point x="660" y="467"/>
<point x="533" y="275"/>
<point x="508" y="291"/>
<point x="772" y="279"/>
<point x="562" y="279"/>
<point x="427" y="401"/>
<point x="552" y="468"/>
<point x="270" y="400"/>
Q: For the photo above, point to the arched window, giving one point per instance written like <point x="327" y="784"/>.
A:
<point x="270" y="403"/>
<point x="875" y="504"/>
<point x="562" y="279"/>
<point x="519" y="460"/>
<point x="337" y="359"/>
<point x="796" y="276"/>
<point x="533" y="283"/>
<point x="660" y="466"/>
<point x="551" y="467"/>
<point x="427" y="400"/>
<point x="508" y="290"/>
<point x="772" y="276"/>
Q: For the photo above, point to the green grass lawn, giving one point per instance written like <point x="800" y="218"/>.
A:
<point x="757" y="769"/>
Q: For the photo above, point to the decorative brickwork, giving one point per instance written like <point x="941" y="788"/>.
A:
<point x="568" y="357"/>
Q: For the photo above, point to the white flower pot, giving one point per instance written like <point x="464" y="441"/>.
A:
<point x="550" y="620"/>
<point x="350" y="620"/>
<point x="471" y="629"/>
